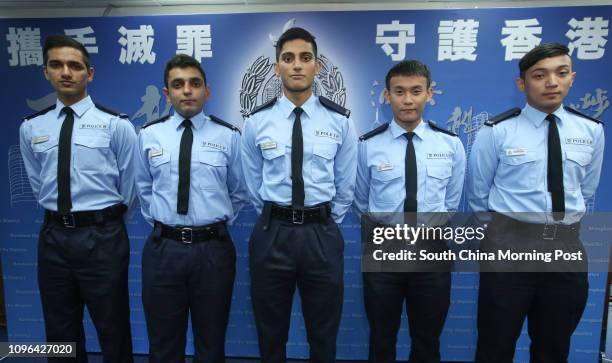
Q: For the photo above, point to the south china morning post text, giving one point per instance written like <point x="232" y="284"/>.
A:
<point x="459" y="235"/>
<point x="401" y="247"/>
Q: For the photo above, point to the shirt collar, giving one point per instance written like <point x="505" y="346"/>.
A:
<point x="420" y="131"/>
<point x="538" y="117"/>
<point x="197" y="121"/>
<point x="79" y="108"/>
<point x="287" y="107"/>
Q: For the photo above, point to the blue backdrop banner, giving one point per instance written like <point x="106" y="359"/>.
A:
<point x="473" y="56"/>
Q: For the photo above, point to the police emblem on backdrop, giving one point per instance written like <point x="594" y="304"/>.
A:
<point x="260" y="84"/>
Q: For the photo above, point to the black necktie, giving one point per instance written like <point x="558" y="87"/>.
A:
<point x="64" y="202"/>
<point x="555" y="169"/>
<point x="297" y="158"/>
<point x="410" y="204"/>
<point x="182" y="201"/>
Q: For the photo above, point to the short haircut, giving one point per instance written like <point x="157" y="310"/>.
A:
<point x="60" y="41"/>
<point x="546" y="50"/>
<point x="182" y="61"/>
<point x="292" y="34"/>
<point x="408" y="68"/>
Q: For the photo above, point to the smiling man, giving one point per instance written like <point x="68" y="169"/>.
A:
<point x="537" y="169"/>
<point x="299" y="156"/>
<point x="78" y="156"/>
<point x="190" y="186"/>
<point x="408" y="166"/>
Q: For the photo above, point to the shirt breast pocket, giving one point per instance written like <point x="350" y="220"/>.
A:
<point x="436" y="183"/>
<point x="387" y="185"/>
<point x="46" y="154"/>
<point x="323" y="162"/>
<point x="92" y="153"/>
<point x="160" y="170"/>
<point x="518" y="172"/>
<point x="575" y="166"/>
<point x="275" y="165"/>
<point x="212" y="170"/>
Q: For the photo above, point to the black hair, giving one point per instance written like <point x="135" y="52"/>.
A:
<point x="546" y="50"/>
<point x="59" y="41"/>
<point x="182" y="61"/>
<point x="292" y="34"/>
<point x="408" y="68"/>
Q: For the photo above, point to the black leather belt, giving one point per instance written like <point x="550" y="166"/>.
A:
<point x="189" y="235"/>
<point x="537" y="230"/>
<point x="86" y="218"/>
<point x="301" y="216"/>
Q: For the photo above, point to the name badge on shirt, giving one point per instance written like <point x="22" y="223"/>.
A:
<point x="94" y="126"/>
<point x="578" y="141"/>
<point x="154" y="152"/>
<point x="214" y="145"/>
<point x="439" y="155"/>
<point x="268" y="145"/>
<point x="385" y="167"/>
<point x="516" y="152"/>
<point x="325" y="133"/>
<point x="40" y="139"/>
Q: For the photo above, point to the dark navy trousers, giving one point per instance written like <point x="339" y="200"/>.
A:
<point x="310" y="256"/>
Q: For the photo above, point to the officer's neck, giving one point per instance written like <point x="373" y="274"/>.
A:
<point x="546" y="110"/>
<point x="69" y="100"/>
<point x="298" y="98"/>
<point x="409" y="126"/>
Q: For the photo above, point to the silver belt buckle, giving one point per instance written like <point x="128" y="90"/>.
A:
<point x="549" y="232"/>
<point x="187" y="235"/>
<point x="297" y="216"/>
<point x="68" y="221"/>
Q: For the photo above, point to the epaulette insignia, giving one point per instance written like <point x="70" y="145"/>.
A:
<point x="217" y="120"/>
<point x="334" y="106"/>
<point x="161" y="119"/>
<point x="41" y="112"/>
<point x="440" y="129"/>
<point x="108" y="110"/>
<point x="374" y="132"/>
<point x="263" y="106"/>
<point x="513" y="112"/>
<point x="575" y="112"/>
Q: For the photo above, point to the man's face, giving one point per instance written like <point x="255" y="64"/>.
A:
<point x="68" y="74"/>
<point x="297" y="66"/>
<point x="547" y="82"/>
<point x="186" y="91"/>
<point x="408" y="96"/>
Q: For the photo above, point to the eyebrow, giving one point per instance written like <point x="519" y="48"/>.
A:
<point x="546" y="69"/>
<point x="187" y="79"/>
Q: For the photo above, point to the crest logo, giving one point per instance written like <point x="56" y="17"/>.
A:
<point x="260" y="84"/>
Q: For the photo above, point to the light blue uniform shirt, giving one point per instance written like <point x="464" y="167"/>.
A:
<point x="216" y="191"/>
<point x="508" y="166"/>
<point x="381" y="185"/>
<point x="101" y="172"/>
<point x="330" y="155"/>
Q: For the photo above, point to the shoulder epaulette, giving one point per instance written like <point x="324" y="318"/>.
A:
<point x="108" y="110"/>
<point x="440" y="129"/>
<point x="217" y="120"/>
<point x="372" y="133"/>
<point x="334" y="106"/>
<point x="513" y="112"/>
<point x="161" y="119"/>
<point x="41" y="112"/>
<point x="263" y="106"/>
<point x="576" y="112"/>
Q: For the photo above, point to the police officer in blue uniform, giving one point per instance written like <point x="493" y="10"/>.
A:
<point x="78" y="157"/>
<point x="537" y="169"/>
<point x="299" y="158"/>
<point x="408" y="166"/>
<point x="190" y="185"/>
